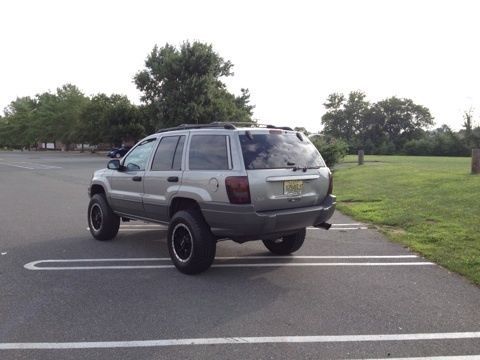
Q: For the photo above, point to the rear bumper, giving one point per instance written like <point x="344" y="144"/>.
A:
<point x="243" y="223"/>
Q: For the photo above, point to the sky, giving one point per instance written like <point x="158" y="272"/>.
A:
<point x="290" y="54"/>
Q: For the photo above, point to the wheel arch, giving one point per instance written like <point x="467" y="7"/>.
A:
<point x="97" y="189"/>
<point x="182" y="203"/>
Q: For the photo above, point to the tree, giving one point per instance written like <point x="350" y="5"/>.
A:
<point x="184" y="86"/>
<point x="17" y="128"/>
<point x="401" y="119"/>
<point x="111" y="119"/>
<point x="58" y="115"/>
<point x="332" y="150"/>
<point x="345" y="116"/>
<point x="471" y="135"/>
<point x="383" y="127"/>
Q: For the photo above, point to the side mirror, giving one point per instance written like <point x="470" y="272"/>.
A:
<point x="114" y="164"/>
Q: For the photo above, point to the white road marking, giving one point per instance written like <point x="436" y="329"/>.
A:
<point x="34" y="264"/>
<point x="349" y="224"/>
<point x="19" y="166"/>
<point x="345" y="228"/>
<point x="238" y="340"/>
<point x="340" y="228"/>
<point x="234" y="258"/>
<point x="30" y="165"/>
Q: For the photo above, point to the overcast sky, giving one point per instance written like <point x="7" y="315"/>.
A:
<point x="290" y="54"/>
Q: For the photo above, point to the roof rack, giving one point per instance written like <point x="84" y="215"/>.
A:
<point x="227" y="126"/>
<point x="249" y="124"/>
<point x="222" y="125"/>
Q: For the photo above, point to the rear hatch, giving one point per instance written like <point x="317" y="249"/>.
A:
<point x="284" y="169"/>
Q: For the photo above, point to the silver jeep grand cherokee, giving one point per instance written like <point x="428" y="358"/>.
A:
<point x="212" y="182"/>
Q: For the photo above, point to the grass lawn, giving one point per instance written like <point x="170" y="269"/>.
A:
<point x="430" y="204"/>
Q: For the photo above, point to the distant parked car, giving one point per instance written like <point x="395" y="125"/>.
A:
<point x="118" y="152"/>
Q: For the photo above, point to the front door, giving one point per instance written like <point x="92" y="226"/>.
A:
<point x="127" y="185"/>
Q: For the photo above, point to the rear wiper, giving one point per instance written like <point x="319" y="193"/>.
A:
<point x="295" y="168"/>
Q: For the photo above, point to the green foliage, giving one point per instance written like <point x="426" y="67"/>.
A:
<point x="17" y="128"/>
<point x="470" y="134"/>
<point x="426" y="203"/>
<point x="440" y="142"/>
<point x="184" y="86"/>
<point x="70" y="117"/>
<point x="382" y="127"/>
<point x="332" y="150"/>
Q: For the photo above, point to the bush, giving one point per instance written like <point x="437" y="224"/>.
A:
<point x="332" y="150"/>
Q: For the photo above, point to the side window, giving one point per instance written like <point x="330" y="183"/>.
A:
<point x="163" y="159"/>
<point x="137" y="159"/>
<point x="208" y="152"/>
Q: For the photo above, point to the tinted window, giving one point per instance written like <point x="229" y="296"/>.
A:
<point x="163" y="159"/>
<point x="177" y="159"/>
<point x="278" y="150"/>
<point x="208" y="152"/>
<point x="138" y="157"/>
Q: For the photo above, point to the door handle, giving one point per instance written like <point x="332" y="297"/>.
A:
<point x="172" y="179"/>
<point x="137" y="178"/>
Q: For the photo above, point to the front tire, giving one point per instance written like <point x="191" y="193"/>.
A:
<point x="102" y="221"/>
<point x="287" y="244"/>
<point x="190" y="243"/>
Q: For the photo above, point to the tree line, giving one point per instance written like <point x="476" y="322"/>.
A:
<point x="185" y="85"/>
<point x="179" y="85"/>
<point x="392" y="126"/>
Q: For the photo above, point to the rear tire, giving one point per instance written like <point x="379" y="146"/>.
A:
<point x="287" y="244"/>
<point x="102" y="221"/>
<point x="190" y="243"/>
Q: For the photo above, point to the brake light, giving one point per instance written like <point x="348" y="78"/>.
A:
<point x="238" y="189"/>
<point x="330" y="183"/>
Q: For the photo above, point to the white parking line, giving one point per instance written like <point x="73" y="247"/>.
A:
<point x="19" y="166"/>
<point x="338" y="228"/>
<point x="238" y="340"/>
<point x="30" y="165"/>
<point x="34" y="264"/>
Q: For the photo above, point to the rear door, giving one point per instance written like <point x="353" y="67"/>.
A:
<point x="284" y="169"/>
<point x="164" y="177"/>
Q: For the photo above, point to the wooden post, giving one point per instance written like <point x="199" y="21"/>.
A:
<point x="475" y="161"/>
<point x="360" y="157"/>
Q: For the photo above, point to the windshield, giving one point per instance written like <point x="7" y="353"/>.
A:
<point x="278" y="150"/>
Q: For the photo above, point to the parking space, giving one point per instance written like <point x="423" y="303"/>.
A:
<point x="348" y="292"/>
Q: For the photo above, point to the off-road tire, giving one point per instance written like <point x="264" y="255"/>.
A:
<point x="102" y="221"/>
<point x="190" y="242"/>
<point x="287" y="244"/>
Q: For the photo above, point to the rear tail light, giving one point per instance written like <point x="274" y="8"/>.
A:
<point x="238" y="189"/>
<point x="330" y="183"/>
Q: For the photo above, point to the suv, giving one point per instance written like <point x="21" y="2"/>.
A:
<point x="212" y="182"/>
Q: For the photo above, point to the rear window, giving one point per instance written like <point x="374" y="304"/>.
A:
<point x="278" y="150"/>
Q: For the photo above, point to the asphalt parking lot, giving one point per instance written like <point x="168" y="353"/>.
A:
<point x="347" y="294"/>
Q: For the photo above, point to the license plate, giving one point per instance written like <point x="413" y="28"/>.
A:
<point x="292" y="187"/>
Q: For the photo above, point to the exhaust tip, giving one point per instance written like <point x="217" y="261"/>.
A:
<point x="324" y="225"/>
